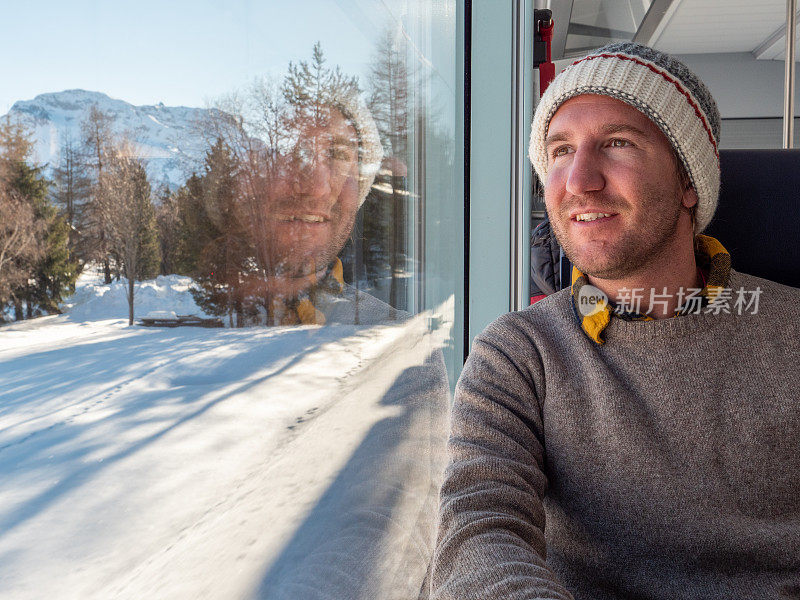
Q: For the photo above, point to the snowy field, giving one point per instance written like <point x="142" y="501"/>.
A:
<point x="213" y="463"/>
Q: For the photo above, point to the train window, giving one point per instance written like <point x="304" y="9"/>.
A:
<point x="594" y="24"/>
<point x="231" y="257"/>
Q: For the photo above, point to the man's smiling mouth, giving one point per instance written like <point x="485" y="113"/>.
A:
<point x="303" y="218"/>
<point x="592" y="216"/>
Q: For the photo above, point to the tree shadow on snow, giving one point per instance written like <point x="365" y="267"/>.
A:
<point x="370" y="534"/>
<point x="251" y="358"/>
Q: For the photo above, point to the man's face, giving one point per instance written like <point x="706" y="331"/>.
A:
<point x="314" y="199"/>
<point x="606" y="157"/>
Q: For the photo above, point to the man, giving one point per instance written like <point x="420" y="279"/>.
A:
<point x="600" y="451"/>
<point x="321" y="177"/>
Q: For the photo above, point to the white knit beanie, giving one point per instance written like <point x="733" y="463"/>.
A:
<point x="370" y="150"/>
<point x="662" y="88"/>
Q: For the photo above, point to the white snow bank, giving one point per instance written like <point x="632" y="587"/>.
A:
<point x="94" y="300"/>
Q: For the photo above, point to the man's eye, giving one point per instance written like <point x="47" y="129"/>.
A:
<point x="560" y="151"/>
<point x="615" y="143"/>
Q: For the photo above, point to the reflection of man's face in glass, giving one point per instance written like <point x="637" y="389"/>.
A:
<point x="314" y="198"/>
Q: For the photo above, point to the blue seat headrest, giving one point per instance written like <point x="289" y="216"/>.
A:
<point x="758" y="217"/>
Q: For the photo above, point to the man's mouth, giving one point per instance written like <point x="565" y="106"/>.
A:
<point x="302" y="218"/>
<point x="591" y="216"/>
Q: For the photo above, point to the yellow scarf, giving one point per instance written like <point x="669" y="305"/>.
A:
<point x="301" y="309"/>
<point x="711" y="256"/>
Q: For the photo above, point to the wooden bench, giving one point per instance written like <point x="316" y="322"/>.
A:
<point x="181" y="321"/>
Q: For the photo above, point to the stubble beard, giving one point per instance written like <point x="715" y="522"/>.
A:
<point x="636" y="250"/>
<point x="297" y="260"/>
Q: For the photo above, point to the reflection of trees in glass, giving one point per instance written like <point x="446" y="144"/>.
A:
<point x="214" y="243"/>
<point x="388" y="101"/>
<point x="261" y="128"/>
<point x="378" y="251"/>
<point x="215" y="227"/>
<point x="309" y="87"/>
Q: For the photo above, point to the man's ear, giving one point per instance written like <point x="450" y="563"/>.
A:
<point x="689" y="197"/>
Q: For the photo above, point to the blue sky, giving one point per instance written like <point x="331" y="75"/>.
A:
<point x="180" y="52"/>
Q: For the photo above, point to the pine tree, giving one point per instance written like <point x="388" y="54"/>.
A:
<point x="15" y="147"/>
<point x="149" y="251"/>
<point x="192" y="228"/>
<point x="50" y="271"/>
<point x="169" y="226"/>
<point x="222" y="248"/>
<point x="53" y="275"/>
<point x="310" y="87"/>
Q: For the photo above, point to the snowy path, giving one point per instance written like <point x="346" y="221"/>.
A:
<point x="182" y="463"/>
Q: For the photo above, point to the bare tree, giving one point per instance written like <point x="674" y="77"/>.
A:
<point x="65" y="180"/>
<point x="269" y="114"/>
<point x="20" y="229"/>
<point x="127" y="214"/>
<point x="19" y="241"/>
<point x="98" y="140"/>
<point x="70" y="192"/>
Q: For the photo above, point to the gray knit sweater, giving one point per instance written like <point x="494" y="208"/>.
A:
<point x="662" y="464"/>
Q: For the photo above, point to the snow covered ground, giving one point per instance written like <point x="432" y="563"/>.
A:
<point x="95" y="301"/>
<point x="214" y="463"/>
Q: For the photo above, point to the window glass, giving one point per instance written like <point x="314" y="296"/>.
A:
<point x="595" y="23"/>
<point x="230" y="295"/>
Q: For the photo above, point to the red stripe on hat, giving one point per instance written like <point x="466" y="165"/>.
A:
<point x="673" y="81"/>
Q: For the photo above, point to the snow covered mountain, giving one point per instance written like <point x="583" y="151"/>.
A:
<point x="168" y="137"/>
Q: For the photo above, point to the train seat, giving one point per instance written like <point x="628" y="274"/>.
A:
<point x="758" y="217"/>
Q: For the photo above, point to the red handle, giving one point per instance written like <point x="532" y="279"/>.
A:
<point x="547" y="36"/>
<point x="547" y="70"/>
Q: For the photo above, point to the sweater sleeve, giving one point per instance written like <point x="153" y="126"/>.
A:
<point x="491" y="542"/>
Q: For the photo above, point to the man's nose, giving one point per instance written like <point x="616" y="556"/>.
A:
<point x="312" y="176"/>
<point x="585" y="172"/>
